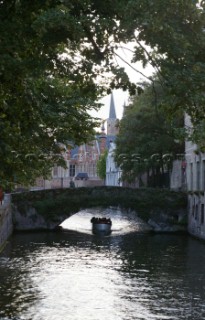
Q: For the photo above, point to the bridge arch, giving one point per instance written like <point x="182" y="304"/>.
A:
<point x="46" y="209"/>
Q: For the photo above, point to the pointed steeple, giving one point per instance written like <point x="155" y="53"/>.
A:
<point x="112" y="114"/>
<point x="112" y="129"/>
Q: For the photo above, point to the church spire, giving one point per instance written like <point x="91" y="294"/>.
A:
<point x="112" y="128"/>
<point x="112" y="114"/>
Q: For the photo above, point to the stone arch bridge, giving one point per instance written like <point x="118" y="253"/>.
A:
<point x="47" y="209"/>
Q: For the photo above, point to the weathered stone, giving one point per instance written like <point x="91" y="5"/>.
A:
<point x="6" y="223"/>
<point x="49" y="208"/>
<point x="32" y="220"/>
<point x="165" y="227"/>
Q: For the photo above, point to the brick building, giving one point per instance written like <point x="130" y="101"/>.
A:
<point x="88" y="154"/>
<point x="83" y="159"/>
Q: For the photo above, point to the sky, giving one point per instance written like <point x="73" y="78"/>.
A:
<point x="120" y="97"/>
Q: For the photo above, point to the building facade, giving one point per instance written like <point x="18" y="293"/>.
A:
<point x="195" y="175"/>
<point x="82" y="160"/>
<point x="113" y="172"/>
<point x="89" y="154"/>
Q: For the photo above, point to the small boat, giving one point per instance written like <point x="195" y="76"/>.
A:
<point x="101" y="225"/>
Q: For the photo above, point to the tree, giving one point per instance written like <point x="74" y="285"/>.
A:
<point x="55" y="58"/>
<point x="147" y="139"/>
<point x="101" y="165"/>
<point x="174" y="33"/>
<point x="51" y="57"/>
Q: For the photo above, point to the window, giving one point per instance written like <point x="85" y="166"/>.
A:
<point x="94" y="156"/>
<point x="196" y="212"/>
<point x="203" y="175"/>
<point x="202" y="213"/>
<point x="198" y="175"/>
<point x="191" y="176"/>
<point x="193" y="207"/>
<point x="72" y="170"/>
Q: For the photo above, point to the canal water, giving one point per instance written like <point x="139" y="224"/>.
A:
<point x="129" y="275"/>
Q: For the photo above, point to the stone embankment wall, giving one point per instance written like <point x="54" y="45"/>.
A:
<point x="6" y="223"/>
<point x="196" y="214"/>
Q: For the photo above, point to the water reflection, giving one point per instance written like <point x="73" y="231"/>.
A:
<point x="128" y="275"/>
<point x="122" y="221"/>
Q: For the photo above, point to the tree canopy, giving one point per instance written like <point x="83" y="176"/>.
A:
<point x="170" y="35"/>
<point x="101" y="165"/>
<point x="56" y="60"/>
<point x="52" y="54"/>
<point x="148" y="141"/>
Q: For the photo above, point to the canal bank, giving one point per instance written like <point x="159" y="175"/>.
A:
<point x="6" y="223"/>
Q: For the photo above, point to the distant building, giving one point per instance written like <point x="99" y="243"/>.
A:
<point x="113" y="172"/>
<point x="83" y="159"/>
<point x="60" y="177"/>
<point x="86" y="158"/>
<point x="89" y="154"/>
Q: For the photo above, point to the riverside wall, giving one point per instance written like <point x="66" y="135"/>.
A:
<point x="6" y="223"/>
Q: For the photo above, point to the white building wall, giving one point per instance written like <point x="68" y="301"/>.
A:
<point x="113" y="173"/>
<point x="195" y="175"/>
<point x="178" y="175"/>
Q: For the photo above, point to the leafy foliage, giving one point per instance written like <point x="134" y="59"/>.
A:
<point x="56" y="57"/>
<point x="52" y="54"/>
<point x="174" y="33"/>
<point x="147" y="139"/>
<point x="101" y="165"/>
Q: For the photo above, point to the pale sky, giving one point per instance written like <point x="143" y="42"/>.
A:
<point x="121" y="97"/>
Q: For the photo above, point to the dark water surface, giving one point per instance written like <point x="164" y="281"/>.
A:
<point x="78" y="276"/>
